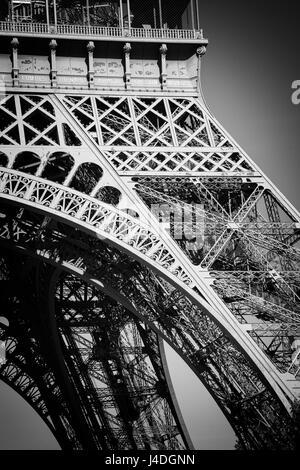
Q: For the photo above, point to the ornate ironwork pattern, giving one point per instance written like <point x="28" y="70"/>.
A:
<point x="81" y="313"/>
<point x="157" y="125"/>
<point x="96" y="186"/>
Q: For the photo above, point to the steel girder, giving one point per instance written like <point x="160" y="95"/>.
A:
<point x="96" y="376"/>
<point x="102" y="163"/>
<point x="239" y="388"/>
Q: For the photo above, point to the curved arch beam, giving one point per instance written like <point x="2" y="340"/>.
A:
<point x="141" y="242"/>
<point x="72" y="261"/>
<point x="157" y="361"/>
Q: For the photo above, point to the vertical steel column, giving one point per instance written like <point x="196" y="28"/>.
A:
<point x="160" y="14"/>
<point x="55" y="13"/>
<point x="192" y="14"/>
<point x="197" y="14"/>
<point x="15" y="65"/>
<point x="90" y="48"/>
<point x="163" y="65"/>
<point x="128" y="14"/>
<point x="88" y="13"/>
<point x="121" y="24"/>
<point x="199" y="53"/>
<point x="127" y="74"/>
<point x="10" y="15"/>
<point x="53" y="70"/>
<point x="47" y="14"/>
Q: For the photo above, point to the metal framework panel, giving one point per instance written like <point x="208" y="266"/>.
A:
<point x="137" y="219"/>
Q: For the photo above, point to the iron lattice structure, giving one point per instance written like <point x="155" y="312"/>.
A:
<point x="98" y="269"/>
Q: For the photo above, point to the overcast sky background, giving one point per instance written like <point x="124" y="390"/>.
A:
<point x="252" y="59"/>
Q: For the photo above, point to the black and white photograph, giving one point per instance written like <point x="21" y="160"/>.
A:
<point x="149" y="228"/>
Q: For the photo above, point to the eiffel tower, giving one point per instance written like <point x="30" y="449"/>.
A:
<point x="129" y="218"/>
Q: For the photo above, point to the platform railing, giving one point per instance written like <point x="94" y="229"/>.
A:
<point x="101" y="31"/>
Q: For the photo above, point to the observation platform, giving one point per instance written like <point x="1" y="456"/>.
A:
<point x="149" y="46"/>
<point x="98" y="33"/>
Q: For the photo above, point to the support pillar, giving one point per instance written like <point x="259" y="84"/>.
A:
<point x="127" y="72"/>
<point x="192" y="14"/>
<point x="163" y="66"/>
<point x="91" y="72"/>
<point x="88" y="13"/>
<point x="129" y="15"/>
<point x="15" y="61"/>
<point x="200" y="53"/>
<point x="53" y="68"/>
<point x="121" y="24"/>
<point x="55" y="14"/>
<point x="160" y="14"/>
<point x="47" y="14"/>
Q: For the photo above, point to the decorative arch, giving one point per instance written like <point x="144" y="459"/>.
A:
<point x="162" y="314"/>
<point x="46" y="280"/>
<point x="86" y="177"/>
<point x="58" y="167"/>
<point x="136" y="239"/>
<point x="27" y="162"/>
<point x="109" y="195"/>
